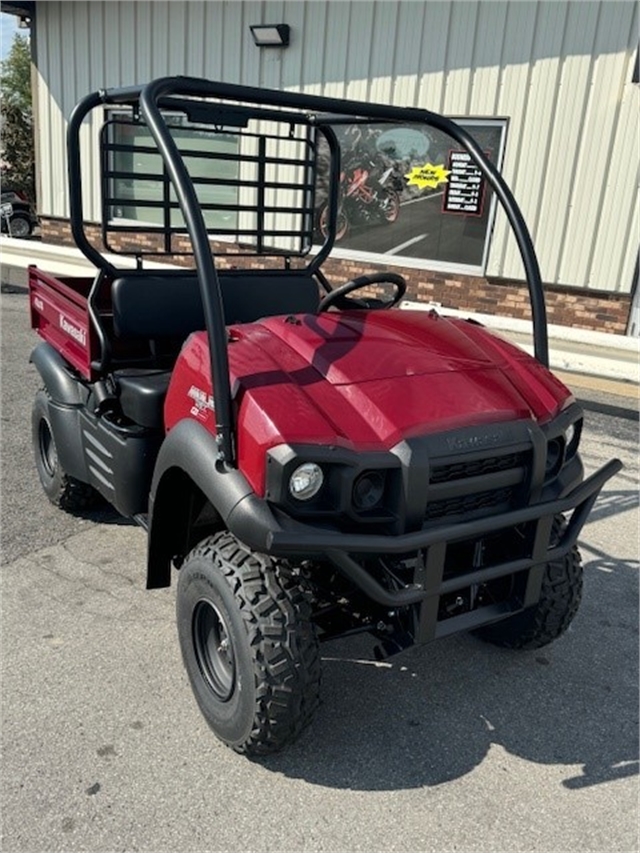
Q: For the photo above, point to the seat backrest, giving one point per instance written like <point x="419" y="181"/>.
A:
<point x="249" y="297"/>
<point x="155" y="305"/>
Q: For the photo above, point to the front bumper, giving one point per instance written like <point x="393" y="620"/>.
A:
<point x="291" y="538"/>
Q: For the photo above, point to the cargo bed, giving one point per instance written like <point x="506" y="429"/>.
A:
<point x="60" y="315"/>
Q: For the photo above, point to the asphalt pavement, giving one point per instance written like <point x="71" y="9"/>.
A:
<point x="457" y="746"/>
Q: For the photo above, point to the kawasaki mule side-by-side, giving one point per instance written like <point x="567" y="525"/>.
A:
<point x="312" y="462"/>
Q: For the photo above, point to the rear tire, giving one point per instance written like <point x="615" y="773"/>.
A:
<point x="248" y="644"/>
<point x="558" y="604"/>
<point x="62" y="490"/>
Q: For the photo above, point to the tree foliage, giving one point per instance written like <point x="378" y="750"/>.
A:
<point x="16" y="137"/>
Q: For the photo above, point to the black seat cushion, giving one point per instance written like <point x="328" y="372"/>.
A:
<point x="142" y="394"/>
<point x="249" y="297"/>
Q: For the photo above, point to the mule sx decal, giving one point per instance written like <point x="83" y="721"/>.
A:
<point x="202" y="402"/>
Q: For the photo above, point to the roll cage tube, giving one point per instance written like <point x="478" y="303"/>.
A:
<point x="210" y="291"/>
<point x="149" y="97"/>
<point x="74" y="173"/>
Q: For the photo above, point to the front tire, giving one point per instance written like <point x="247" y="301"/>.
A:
<point x="20" y="226"/>
<point x="391" y="206"/>
<point x="547" y="620"/>
<point x="342" y="223"/>
<point x="63" y="491"/>
<point x="248" y="644"/>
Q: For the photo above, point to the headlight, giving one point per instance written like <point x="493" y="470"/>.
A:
<point x="368" y="490"/>
<point x="572" y="438"/>
<point x="555" y="456"/>
<point x="569" y="434"/>
<point x="306" y="481"/>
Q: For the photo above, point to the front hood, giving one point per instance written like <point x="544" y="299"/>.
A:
<point x="369" y="379"/>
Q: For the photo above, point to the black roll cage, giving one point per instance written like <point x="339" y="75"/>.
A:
<point x="165" y="93"/>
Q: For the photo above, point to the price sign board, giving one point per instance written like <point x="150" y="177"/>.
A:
<point x="465" y="191"/>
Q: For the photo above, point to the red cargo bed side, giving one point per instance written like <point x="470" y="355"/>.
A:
<point x="60" y="315"/>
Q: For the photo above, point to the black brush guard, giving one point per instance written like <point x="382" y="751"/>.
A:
<point x="253" y="522"/>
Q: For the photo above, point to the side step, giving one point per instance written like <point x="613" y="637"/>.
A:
<point x="142" y="519"/>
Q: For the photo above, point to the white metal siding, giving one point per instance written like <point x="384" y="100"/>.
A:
<point x="559" y="71"/>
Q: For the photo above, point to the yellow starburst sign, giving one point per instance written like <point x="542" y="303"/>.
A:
<point x="427" y="176"/>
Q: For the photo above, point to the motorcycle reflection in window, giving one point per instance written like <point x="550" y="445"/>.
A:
<point x="370" y="187"/>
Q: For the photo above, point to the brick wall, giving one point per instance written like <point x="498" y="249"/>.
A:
<point x="607" y="312"/>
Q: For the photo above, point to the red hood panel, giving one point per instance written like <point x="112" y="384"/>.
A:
<point x="356" y="346"/>
<point x="349" y="379"/>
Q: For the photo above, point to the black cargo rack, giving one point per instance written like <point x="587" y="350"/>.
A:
<point x="246" y="182"/>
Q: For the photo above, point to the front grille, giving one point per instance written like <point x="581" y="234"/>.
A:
<point x="476" y="487"/>
<point x="469" y="503"/>
<point x="477" y="468"/>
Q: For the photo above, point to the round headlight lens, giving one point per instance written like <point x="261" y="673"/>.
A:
<point x="306" y="481"/>
<point x="368" y="490"/>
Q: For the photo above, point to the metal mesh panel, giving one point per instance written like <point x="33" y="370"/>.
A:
<point x="254" y="186"/>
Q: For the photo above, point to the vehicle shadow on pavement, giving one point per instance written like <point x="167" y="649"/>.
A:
<point x="104" y="513"/>
<point x="626" y="412"/>
<point x="431" y="715"/>
<point x="613" y="502"/>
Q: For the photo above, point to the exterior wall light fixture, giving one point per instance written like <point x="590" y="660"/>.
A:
<point x="270" y="35"/>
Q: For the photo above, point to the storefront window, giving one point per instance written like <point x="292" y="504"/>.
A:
<point x="411" y="192"/>
<point x="139" y="188"/>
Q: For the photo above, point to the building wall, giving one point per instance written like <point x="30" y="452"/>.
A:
<point x="598" y="311"/>
<point x="559" y="71"/>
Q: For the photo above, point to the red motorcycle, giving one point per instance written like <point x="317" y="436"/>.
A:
<point x="364" y="199"/>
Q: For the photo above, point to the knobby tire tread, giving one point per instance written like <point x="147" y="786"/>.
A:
<point x="286" y="661"/>
<point x="560" y="598"/>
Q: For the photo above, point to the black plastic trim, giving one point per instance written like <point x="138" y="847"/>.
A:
<point x="61" y="386"/>
<point x="67" y="397"/>
<point x="67" y="434"/>
<point x="191" y="450"/>
<point x="341" y="468"/>
<point x="120" y="459"/>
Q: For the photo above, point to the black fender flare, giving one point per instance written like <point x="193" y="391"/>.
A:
<point x="67" y="397"/>
<point x="189" y="454"/>
<point x="61" y="386"/>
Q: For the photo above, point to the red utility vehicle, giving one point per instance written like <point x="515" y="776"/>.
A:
<point x="312" y="463"/>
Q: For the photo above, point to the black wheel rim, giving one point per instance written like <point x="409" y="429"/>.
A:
<point x="47" y="449"/>
<point x="19" y="227"/>
<point x="214" y="649"/>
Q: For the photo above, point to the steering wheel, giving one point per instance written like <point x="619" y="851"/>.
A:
<point x="339" y="294"/>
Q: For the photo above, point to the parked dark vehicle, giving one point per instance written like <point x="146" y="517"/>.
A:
<point x="309" y="461"/>
<point x="17" y="215"/>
